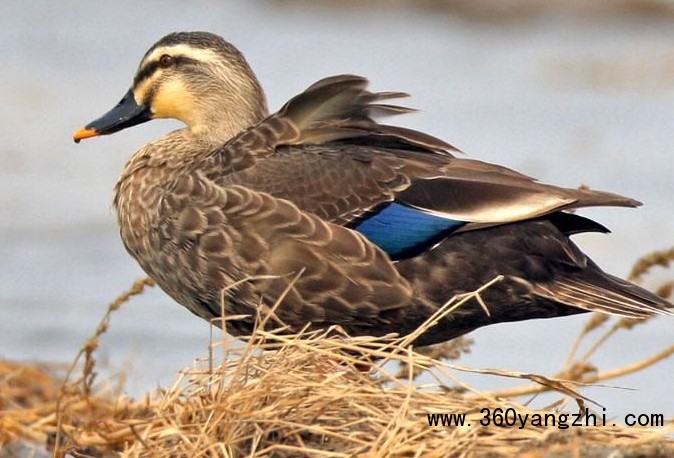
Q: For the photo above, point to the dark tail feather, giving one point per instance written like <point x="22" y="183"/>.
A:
<point x="601" y="292"/>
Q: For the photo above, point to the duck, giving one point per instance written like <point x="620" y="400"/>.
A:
<point x="320" y="215"/>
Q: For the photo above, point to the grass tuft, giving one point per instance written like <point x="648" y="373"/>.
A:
<point x="307" y="395"/>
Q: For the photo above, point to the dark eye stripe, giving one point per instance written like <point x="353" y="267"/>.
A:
<point x="152" y="67"/>
<point x="145" y="72"/>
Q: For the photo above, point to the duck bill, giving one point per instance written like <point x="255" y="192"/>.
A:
<point x="125" y="114"/>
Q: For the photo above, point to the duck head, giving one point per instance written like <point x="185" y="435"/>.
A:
<point x="195" y="77"/>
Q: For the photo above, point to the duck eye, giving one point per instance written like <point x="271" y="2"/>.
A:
<point x="166" y="61"/>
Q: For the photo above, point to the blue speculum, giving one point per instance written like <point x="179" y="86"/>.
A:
<point x="404" y="231"/>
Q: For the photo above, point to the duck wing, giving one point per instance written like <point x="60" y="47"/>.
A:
<point x="325" y="152"/>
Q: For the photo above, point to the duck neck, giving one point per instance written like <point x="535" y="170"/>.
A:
<point x="222" y="118"/>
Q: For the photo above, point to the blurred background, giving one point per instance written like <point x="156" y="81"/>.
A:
<point x="570" y="92"/>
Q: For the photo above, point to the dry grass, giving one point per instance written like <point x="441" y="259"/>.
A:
<point x="306" y="395"/>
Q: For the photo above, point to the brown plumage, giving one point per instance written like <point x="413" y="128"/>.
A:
<point x="377" y="226"/>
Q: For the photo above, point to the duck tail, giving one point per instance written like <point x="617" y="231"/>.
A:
<point x="598" y="291"/>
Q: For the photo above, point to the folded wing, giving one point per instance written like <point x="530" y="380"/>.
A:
<point x="325" y="152"/>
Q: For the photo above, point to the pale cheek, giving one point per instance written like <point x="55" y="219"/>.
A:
<point x="173" y="101"/>
<point x="165" y="108"/>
